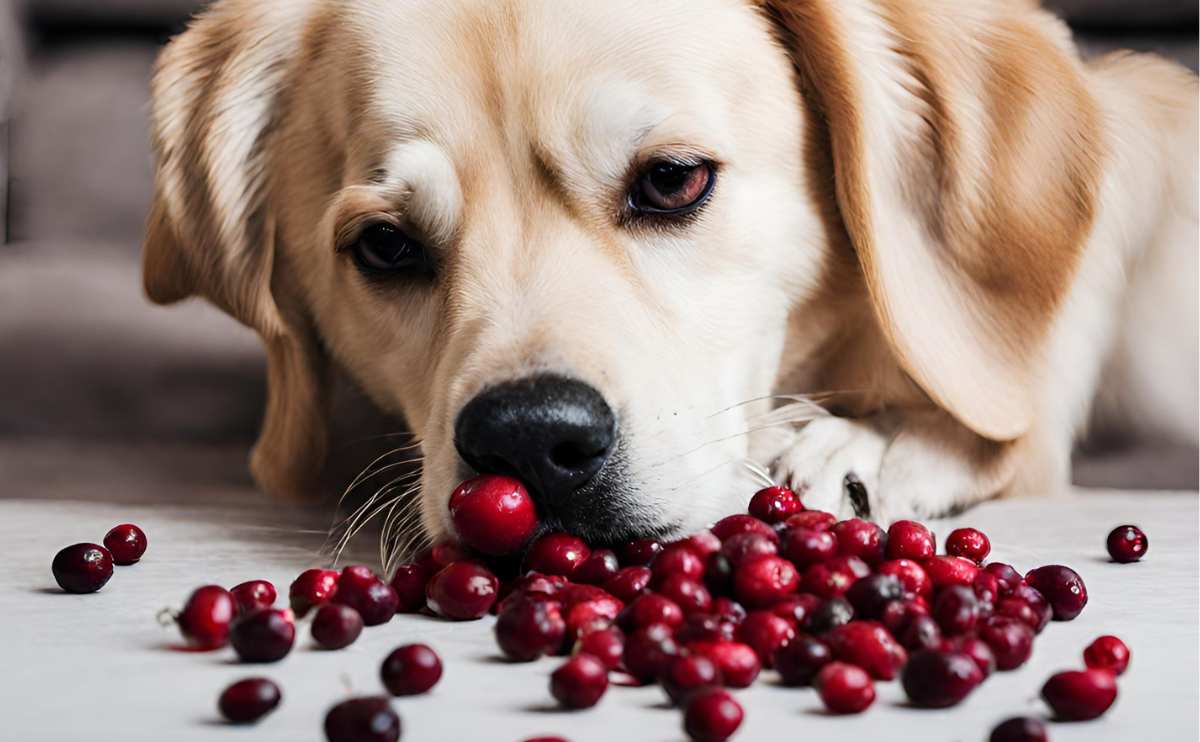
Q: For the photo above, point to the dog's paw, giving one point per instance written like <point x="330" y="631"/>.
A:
<point x="834" y="465"/>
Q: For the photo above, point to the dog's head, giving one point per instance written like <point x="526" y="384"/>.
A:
<point x="568" y="240"/>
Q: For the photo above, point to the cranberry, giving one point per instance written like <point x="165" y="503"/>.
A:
<point x="411" y="670"/>
<point x="908" y="539"/>
<point x="731" y="525"/>
<point x="409" y="583"/>
<point x="860" y="538"/>
<point x="590" y="615"/>
<point x="249" y="700"/>
<point x="677" y="559"/>
<point x="728" y="609"/>
<point x="1018" y="609"/>
<point x="336" y="626"/>
<point x="745" y="547"/>
<point x="899" y="613"/>
<point x="1020" y="729"/>
<point x="126" y="542"/>
<point x="799" y="661"/>
<point x="629" y="583"/>
<point x="718" y="574"/>
<point x="986" y="588"/>
<point x="764" y="581"/>
<point x="1010" y="639"/>
<point x="949" y="570"/>
<point x="493" y="514"/>
<point x="805" y="546"/>
<point x="651" y="608"/>
<point x="976" y="649"/>
<point x="82" y="568"/>
<point x="936" y="679"/>
<point x="441" y="555"/>
<point x="606" y="645"/>
<point x="1036" y="601"/>
<point x="868" y="645"/>
<point x="826" y="581"/>
<point x="956" y="609"/>
<point x="462" y="591"/>
<point x="687" y="593"/>
<point x="252" y="596"/>
<point x="774" y="504"/>
<point x="765" y="633"/>
<point x="738" y="662"/>
<point x="796" y="608"/>
<point x="968" y="543"/>
<point x="816" y="520"/>
<point x="536" y="582"/>
<point x="528" y="629"/>
<point x="1007" y="577"/>
<point x="829" y="615"/>
<point x="1079" y="695"/>
<point x="640" y="553"/>
<point x="703" y="543"/>
<point x="870" y="594"/>
<point x="1126" y="544"/>
<point x="712" y="715"/>
<point x="263" y="636"/>
<point x="374" y="599"/>
<point x="685" y="675"/>
<point x="362" y="720"/>
<point x="1107" y="653"/>
<point x="206" y="616"/>
<point x="312" y="588"/>
<point x="844" y="688"/>
<point x="557" y="554"/>
<point x="579" y="682"/>
<point x="920" y="632"/>
<point x="598" y="568"/>
<point x="1063" y="588"/>
<point x="647" y="651"/>
<point x="911" y="575"/>
<point x="705" y="627"/>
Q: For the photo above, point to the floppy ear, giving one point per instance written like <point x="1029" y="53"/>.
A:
<point x="217" y="94"/>
<point x="966" y="156"/>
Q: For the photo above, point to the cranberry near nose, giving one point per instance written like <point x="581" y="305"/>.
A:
<point x="553" y="432"/>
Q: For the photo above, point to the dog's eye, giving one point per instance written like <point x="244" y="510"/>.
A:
<point x="672" y="188"/>
<point x="382" y="248"/>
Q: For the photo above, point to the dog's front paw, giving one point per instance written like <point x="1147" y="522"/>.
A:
<point x="834" y="465"/>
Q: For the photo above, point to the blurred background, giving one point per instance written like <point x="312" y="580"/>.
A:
<point x="103" y="395"/>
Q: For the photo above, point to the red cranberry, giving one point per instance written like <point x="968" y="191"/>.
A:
<point x="579" y="682"/>
<point x="729" y="610"/>
<point x="1018" y="609"/>
<point x="774" y="504"/>
<point x="870" y="594"/>
<point x="920" y="632"/>
<point x="651" y="608"/>
<point x="263" y="636"/>
<point x="976" y="649"/>
<point x="816" y="520"/>
<point x="968" y="543"/>
<point x="536" y="582"/>
<point x="1063" y="588"/>
<point x="411" y="670"/>
<point x="248" y="700"/>
<point x="796" y="608"/>
<point x="731" y="525"/>
<point x="252" y="596"/>
<point x="206" y="616"/>
<point x="799" y="661"/>
<point x="647" y="651"/>
<point x="640" y="553"/>
<point x="950" y="570"/>
<point x="1007" y="577"/>
<point x="911" y="575"/>
<point x="606" y="645"/>
<point x="744" y="547"/>
<point x="373" y="599"/>
<point x="493" y="514"/>
<point x="826" y="581"/>
<point x="462" y="591"/>
<point x="362" y="720"/>
<point x="1126" y="544"/>
<point x="703" y="543"/>
<point x="712" y="715"/>
<point x="442" y="554"/>
<point x="844" y="688"/>
<point x="409" y="583"/>
<point x="908" y="539"/>
<point x="677" y="559"/>
<point x="860" y="538"/>
<point x="956" y="609"/>
<point x="899" y="613"/>
<point x="936" y="679"/>
<point x="126" y="542"/>
<point x="1010" y="639"/>
<point x="705" y="627"/>
<point x="1036" y="601"/>
<point x="557" y="554"/>
<point x="1079" y="695"/>
<point x="738" y="662"/>
<point x="82" y="568"/>
<point x="764" y="581"/>
<point x="1020" y="729"/>
<point x="589" y="615"/>
<point x="685" y="675"/>
<point x="805" y="546"/>
<point x="868" y="645"/>
<point x="1107" y="653"/>
<point x="687" y="593"/>
<point x="597" y="569"/>
<point x="528" y="629"/>
<point x="336" y="626"/>
<point x="986" y="588"/>
<point x="765" y="633"/>
<point x="312" y="588"/>
<point x="629" y="583"/>
<point x="829" y="615"/>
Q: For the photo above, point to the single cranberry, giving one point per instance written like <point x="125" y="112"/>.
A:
<point x="712" y="715"/>
<point x="937" y="679"/>
<point x="1018" y="609"/>
<point x="1107" y="653"/>
<point x="703" y="542"/>
<point x="718" y="574"/>
<point x="1020" y="729"/>
<point x="806" y="546"/>
<point x="869" y="595"/>
<point x="651" y="608"/>
<point x="766" y="580"/>
<point x="1007" y="577"/>
<point x="744" y="547"/>
<point x="629" y="583"/>
<point x="536" y="582"/>
<point x="844" y="688"/>
<point x="860" y="538"/>
<point x="986" y="587"/>
<point x="441" y="555"/>
<point x="1080" y="695"/>
<point x="685" y="675"/>
<point x="648" y="649"/>
<point x="1036" y="601"/>
<point x="899" y="613"/>
<point x="765" y="633"/>
<point x="373" y="599"/>
<point x="829" y="615"/>
<point x="82" y="568"/>
<point x="1126" y="544"/>
<point x="968" y="543"/>
<point x="816" y="520"/>
<point x="1010" y="639"/>
<point x="911" y="575"/>
<point x="799" y="661"/>
<point x="206" y="616"/>
<point x="409" y="583"/>
<point x="528" y="629"/>
<point x="690" y="595"/>
<point x="1063" y="588"/>
<point x="368" y="719"/>
<point x="705" y="627"/>
<point x="677" y="559"/>
<point x="462" y="591"/>
<point x="956" y="609"/>
<point x="252" y="596"/>
<point x="738" y="662"/>
<point x="579" y="682"/>
<point x="827" y="581"/>
<point x="336" y="626"/>
<point x="312" y="588"/>
<point x="249" y="700"/>
<point x="774" y="504"/>
<point x="263" y="636"/>
<point x="868" y="645"/>
<point x="796" y="608"/>
<point x="557" y="554"/>
<point x="606" y="645"/>
<point x="908" y="539"/>
<point x="493" y="514"/>
<point x="598" y="568"/>
<point x="126" y="542"/>
<point x="976" y="649"/>
<point x="411" y="670"/>
<point x="592" y="615"/>
<point x="728" y="609"/>
<point x="640" y="552"/>
<point x="920" y="632"/>
<point x="949" y="570"/>
<point x="731" y="525"/>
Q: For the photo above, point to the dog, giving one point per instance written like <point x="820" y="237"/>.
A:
<point x="897" y="254"/>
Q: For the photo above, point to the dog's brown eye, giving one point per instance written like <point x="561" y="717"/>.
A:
<point x="382" y="248"/>
<point x="672" y="188"/>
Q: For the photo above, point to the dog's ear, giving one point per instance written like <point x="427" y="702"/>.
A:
<point x="217" y="95"/>
<point x="966" y="157"/>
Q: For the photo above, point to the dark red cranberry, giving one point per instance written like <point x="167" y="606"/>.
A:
<point x="920" y="632"/>
<point x="536" y="582"/>
<point x="738" y="662"/>
<point x="312" y="588"/>
<point x="868" y="645"/>
<point x="774" y="504"/>
<point x="493" y="514"/>
<point x="126" y="542"/>
<point x="557" y="554"/>
<point x="1018" y="609"/>
<point x="462" y="591"/>
<point x="677" y="559"/>
<point x="796" y="608"/>
<point x="844" y="688"/>
<point x="252" y="596"/>
<point x="1127" y="544"/>
<point x="690" y="595"/>
<point x="860" y="538"/>
<point x="712" y="715"/>
<point x="206" y="616"/>
<point x="685" y="675"/>
<point x="968" y="543"/>
<point x="799" y="661"/>
<point x="1032" y="596"/>
<point x="1007" y="577"/>
<point x="373" y="599"/>
<point x="263" y="636"/>
<point x="744" y="547"/>
<point x="805" y="546"/>
<point x="651" y="608"/>
<point x="944" y="571"/>
<point x="82" y="568"/>
<point x="1010" y="639"/>
<point x="411" y="670"/>
<point x="718" y="574"/>
<point x="640" y="552"/>
<point x="911" y="575"/>
<point x="1107" y="653"/>
<point x="703" y="542"/>
<point x="899" y="613"/>
<point x="528" y="629"/>
<point x="606" y="645"/>
<point x="870" y="594"/>
<point x="648" y="649"/>
<point x="908" y="539"/>
<point x="986" y="588"/>
<point x="705" y="627"/>
<point x="409" y="583"/>
<point x="728" y="609"/>
<point x="764" y="581"/>
<point x="731" y="525"/>
<point x="829" y="615"/>
<point x="816" y="520"/>
<point x="579" y="682"/>
<point x="368" y="719"/>
<point x="249" y="700"/>
<point x="976" y="649"/>
<point x="598" y="568"/>
<point x="826" y="580"/>
<point x="956" y="610"/>
<point x="441" y="555"/>
<point x="937" y="679"/>
<point x="336" y="626"/>
<point x="1063" y="588"/>
<point x="1020" y="729"/>
<point x="591" y="615"/>
<point x="628" y="583"/>
<point x="765" y="633"/>
<point x="1079" y="695"/>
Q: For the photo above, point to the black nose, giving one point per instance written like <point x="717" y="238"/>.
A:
<point x="552" y="432"/>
